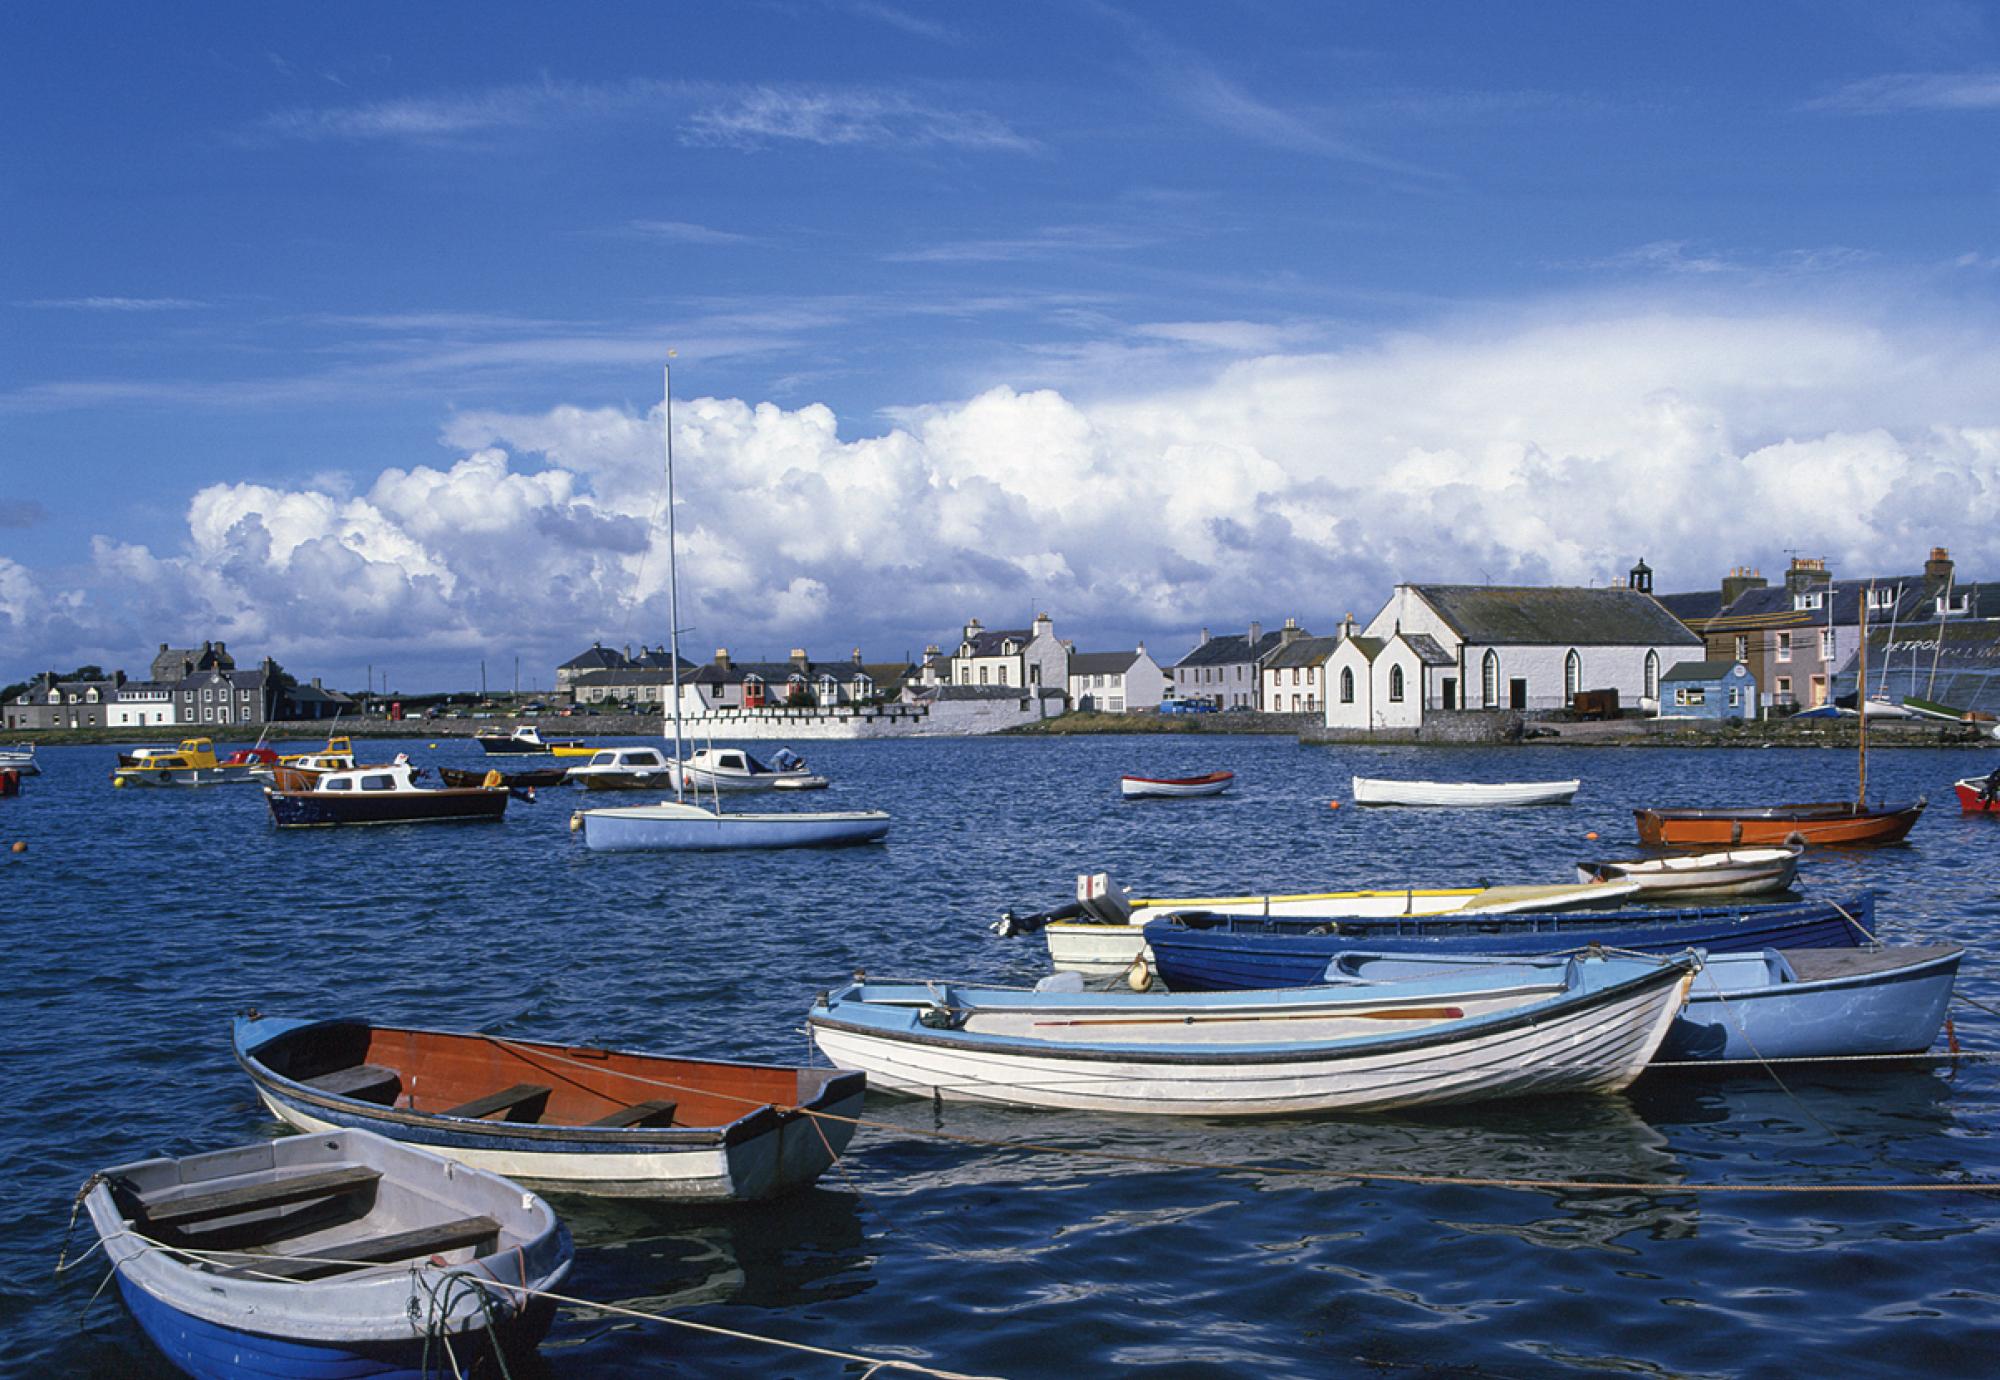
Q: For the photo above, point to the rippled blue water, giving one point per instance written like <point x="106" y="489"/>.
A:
<point x="137" y="922"/>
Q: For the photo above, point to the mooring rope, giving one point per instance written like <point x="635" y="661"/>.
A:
<point x="459" y="1275"/>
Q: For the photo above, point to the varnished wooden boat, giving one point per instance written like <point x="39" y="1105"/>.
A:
<point x="387" y="794"/>
<point x="1825" y="824"/>
<point x="575" y="1118"/>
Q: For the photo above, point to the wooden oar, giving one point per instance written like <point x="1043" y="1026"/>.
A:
<point x="1405" y="1013"/>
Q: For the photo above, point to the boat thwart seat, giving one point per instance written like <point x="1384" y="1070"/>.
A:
<point x="640" y="1114"/>
<point x="284" y="1191"/>
<point x="338" y="1257"/>
<point x="522" y="1102"/>
<point x="369" y="1082"/>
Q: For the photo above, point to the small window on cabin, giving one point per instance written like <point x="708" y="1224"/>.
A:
<point x="378" y="783"/>
<point x="340" y="783"/>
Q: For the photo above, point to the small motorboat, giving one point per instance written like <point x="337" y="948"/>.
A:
<point x="193" y="763"/>
<point x="1979" y="795"/>
<point x="337" y="755"/>
<point x="574" y="1118"/>
<point x="1103" y="931"/>
<point x="624" y="769"/>
<point x="1731" y="872"/>
<point x="387" y="794"/>
<point x="20" y="758"/>
<point x="1462" y="794"/>
<point x="1764" y="1003"/>
<point x="250" y="763"/>
<point x="732" y="769"/>
<point x="532" y="779"/>
<point x="144" y="754"/>
<point x="1561" y="1025"/>
<point x="10" y="781"/>
<point x="1197" y="953"/>
<point x="1835" y="823"/>
<point x="333" y="1254"/>
<point x="524" y="741"/>
<point x="1168" y="787"/>
<point x="679" y="826"/>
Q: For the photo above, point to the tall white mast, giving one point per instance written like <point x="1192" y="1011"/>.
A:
<point x="673" y="583"/>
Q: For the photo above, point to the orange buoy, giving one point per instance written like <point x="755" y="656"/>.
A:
<point x="20" y="845"/>
<point x="1333" y="804"/>
<point x="1592" y="835"/>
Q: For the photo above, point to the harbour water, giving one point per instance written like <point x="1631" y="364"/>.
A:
<point x="139" y="921"/>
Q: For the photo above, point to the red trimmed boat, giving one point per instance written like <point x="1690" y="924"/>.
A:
<point x="1979" y="795"/>
<point x="1168" y="787"/>
<point x="1821" y="824"/>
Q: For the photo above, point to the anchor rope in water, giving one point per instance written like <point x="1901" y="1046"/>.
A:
<point x="460" y="1277"/>
<point x="1354" y="1175"/>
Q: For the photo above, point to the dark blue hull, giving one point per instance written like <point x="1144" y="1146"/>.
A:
<point x="212" y="1351"/>
<point x="1231" y="953"/>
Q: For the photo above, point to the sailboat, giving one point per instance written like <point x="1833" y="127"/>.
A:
<point x="684" y="825"/>
<point x="1850" y="823"/>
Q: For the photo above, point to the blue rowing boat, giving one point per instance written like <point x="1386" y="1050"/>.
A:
<point x="1768" y="1004"/>
<point x="328" y="1257"/>
<point x="1195" y="952"/>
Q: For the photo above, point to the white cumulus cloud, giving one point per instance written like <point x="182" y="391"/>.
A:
<point x="1541" y="450"/>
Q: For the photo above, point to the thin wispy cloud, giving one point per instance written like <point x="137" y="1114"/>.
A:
<point x="1233" y="337"/>
<point x="117" y="303"/>
<point x="1899" y="91"/>
<point x="1685" y="259"/>
<point x="457" y="114"/>
<point x="833" y="118"/>
<point x="707" y="114"/>
<point x="921" y="25"/>
<point x="685" y="232"/>
<point x="1041" y="244"/>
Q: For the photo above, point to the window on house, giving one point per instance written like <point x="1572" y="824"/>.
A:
<point x="1572" y="676"/>
<point x="1826" y="644"/>
<point x="1346" y="685"/>
<point x="982" y="675"/>
<point x="1735" y="696"/>
<point x="1881" y="598"/>
<point x="1948" y="604"/>
<point x="1001" y="673"/>
<point x="1489" y="680"/>
<point x="1809" y="599"/>
<point x="1742" y="649"/>
<point x="1295" y="675"/>
<point x="1784" y="686"/>
<point x="1396" y="684"/>
<point x="1652" y="690"/>
<point x="1784" y="646"/>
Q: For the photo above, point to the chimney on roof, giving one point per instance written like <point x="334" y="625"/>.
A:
<point x="857" y="656"/>
<point x="1740" y="579"/>
<point x="1937" y="570"/>
<point x="1142" y="646"/>
<point x="1256" y="635"/>
<point x="316" y="685"/>
<point x="1204" y="638"/>
<point x="1289" y="633"/>
<point x="1043" y="624"/>
<point x="1805" y="572"/>
<point x="799" y="661"/>
<point x="1346" y="627"/>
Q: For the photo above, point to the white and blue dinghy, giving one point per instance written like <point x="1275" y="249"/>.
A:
<point x="1555" y="1025"/>
<point x="328" y="1256"/>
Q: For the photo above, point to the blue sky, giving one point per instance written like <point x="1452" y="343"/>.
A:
<point x="336" y="330"/>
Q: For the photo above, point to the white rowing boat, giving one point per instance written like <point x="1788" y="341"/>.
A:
<point x="1728" y="872"/>
<point x="1168" y="787"/>
<point x="1462" y="794"/>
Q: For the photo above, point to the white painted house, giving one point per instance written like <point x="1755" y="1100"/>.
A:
<point x="1116" y="682"/>
<point x="1031" y="657"/>
<point x="1517" y="647"/>
<point x="1294" y="678"/>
